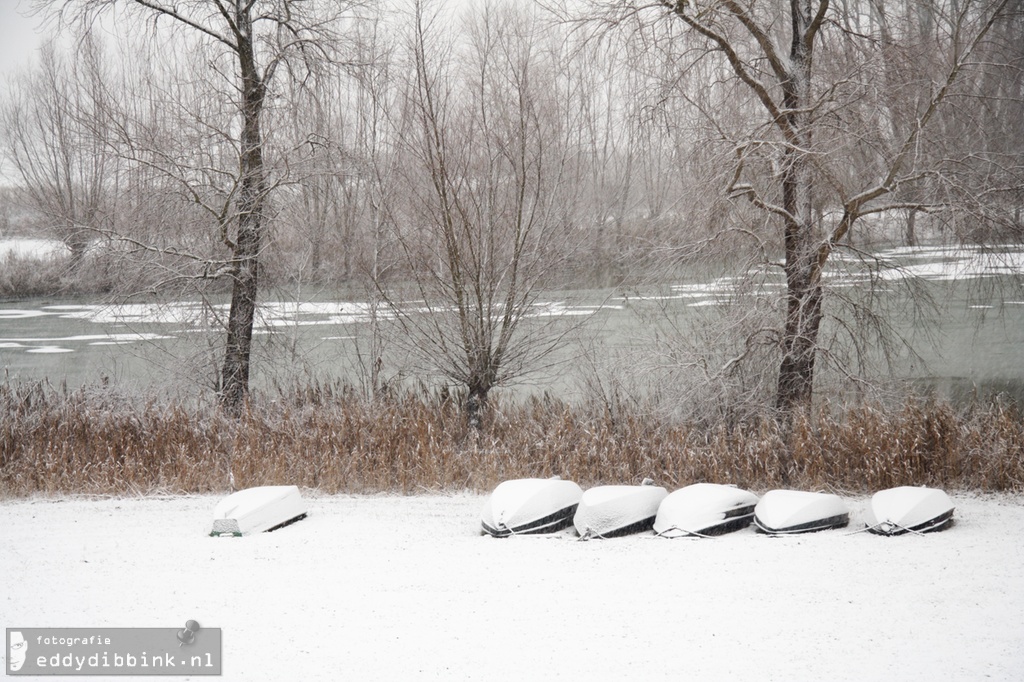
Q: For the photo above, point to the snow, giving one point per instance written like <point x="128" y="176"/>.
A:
<point x="94" y="338"/>
<point x="255" y="510"/>
<point x="701" y="507"/>
<point x="524" y="502"/>
<point x="608" y="509"/>
<point x="27" y="247"/>
<point x="907" y="507"/>
<point x="405" y="588"/>
<point x="782" y="510"/>
<point x="955" y="263"/>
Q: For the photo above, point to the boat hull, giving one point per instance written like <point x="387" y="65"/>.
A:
<point x="907" y="509"/>
<point x="615" y="510"/>
<point x="789" y="512"/>
<point x="528" y="506"/>
<point x="258" y="510"/>
<point x="705" y="509"/>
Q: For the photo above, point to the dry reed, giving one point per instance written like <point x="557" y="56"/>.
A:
<point x="332" y="440"/>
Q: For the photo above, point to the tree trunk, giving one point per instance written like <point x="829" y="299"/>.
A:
<point x="77" y="242"/>
<point x="476" y="405"/>
<point x="910" y="236"/>
<point x="247" y="244"/>
<point x="244" y="289"/>
<point x="799" y="343"/>
<point x="803" y="286"/>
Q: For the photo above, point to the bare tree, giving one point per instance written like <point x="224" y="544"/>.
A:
<point x="55" y="143"/>
<point x="339" y="213"/>
<point x="490" y="199"/>
<point x="252" y="40"/>
<point x="381" y="127"/>
<point x="839" y="105"/>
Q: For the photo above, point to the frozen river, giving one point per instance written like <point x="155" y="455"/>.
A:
<point x="971" y="338"/>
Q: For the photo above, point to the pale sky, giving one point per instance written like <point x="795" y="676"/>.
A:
<point x="19" y="36"/>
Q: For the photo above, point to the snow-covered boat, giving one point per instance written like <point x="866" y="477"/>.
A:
<point x="784" y="512"/>
<point x="704" y="509"/>
<point x="909" y="510"/>
<point x="613" y="510"/>
<point x="255" y="510"/>
<point x="530" y="505"/>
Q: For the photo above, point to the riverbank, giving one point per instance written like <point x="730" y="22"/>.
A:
<point x="386" y="587"/>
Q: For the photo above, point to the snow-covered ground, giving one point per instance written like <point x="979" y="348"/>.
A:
<point x="404" y="588"/>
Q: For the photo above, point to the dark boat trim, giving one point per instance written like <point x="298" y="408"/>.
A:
<point x="937" y="524"/>
<point x="629" y="529"/>
<point x="287" y="523"/>
<point x="737" y="519"/>
<point x="733" y="520"/>
<point x="747" y="510"/>
<point x="548" y="524"/>
<point x="238" y="534"/>
<point x="838" y="521"/>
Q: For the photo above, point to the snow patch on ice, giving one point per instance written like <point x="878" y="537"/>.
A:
<point x="14" y="314"/>
<point x="27" y="247"/>
<point x="49" y="350"/>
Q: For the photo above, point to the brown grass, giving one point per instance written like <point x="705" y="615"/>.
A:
<point x="332" y="440"/>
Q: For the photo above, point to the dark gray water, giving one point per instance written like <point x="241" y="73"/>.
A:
<point x="969" y="341"/>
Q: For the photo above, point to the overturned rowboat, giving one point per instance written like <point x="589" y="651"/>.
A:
<point x="614" y="510"/>
<point x="704" y="509"/>
<point x="258" y="510"/>
<point x="530" y="506"/>
<point x="908" y="509"/>
<point x="787" y="512"/>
